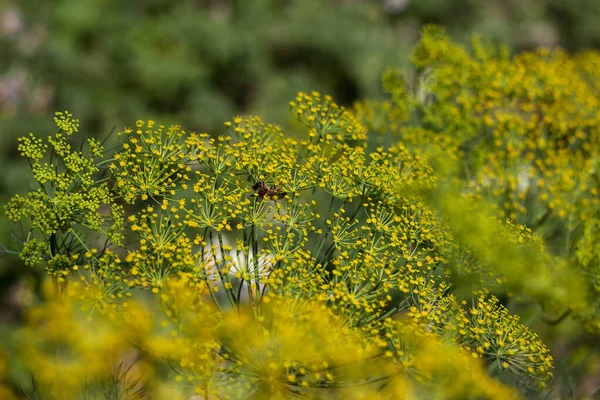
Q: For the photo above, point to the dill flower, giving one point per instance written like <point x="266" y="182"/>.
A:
<point x="152" y="163"/>
<point x="502" y="339"/>
<point x="326" y="120"/>
<point x="64" y="351"/>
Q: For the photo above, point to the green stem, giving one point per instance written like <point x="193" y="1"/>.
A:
<point x="226" y="275"/>
<point x="239" y="292"/>
<point x="277" y="266"/>
<point x="81" y="241"/>
<point x="247" y="240"/>
<point x="227" y="290"/>
<point x="105" y="162"/>
<point x="255" y="259"/>
<point x="53" y="244"/>
<point x="558" y="320"/>
<point x="210" y="291"/>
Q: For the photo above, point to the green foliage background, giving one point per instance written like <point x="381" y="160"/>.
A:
<point x="199" y="62"/>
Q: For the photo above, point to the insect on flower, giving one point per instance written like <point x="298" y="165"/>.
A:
<point x="263" y="190"/>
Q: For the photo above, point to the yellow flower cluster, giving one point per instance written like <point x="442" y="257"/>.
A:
<point x="278" y="262"/>
<point x="152" y="162"/>
<point x="290" y="348"/>
<point x="337" y="260"/>
<point x="326" y="120"/>
<point x="498" y="336"/>
<point x="519" y="135"/>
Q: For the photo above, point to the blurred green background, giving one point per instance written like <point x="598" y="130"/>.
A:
<point x="199" y="62"/>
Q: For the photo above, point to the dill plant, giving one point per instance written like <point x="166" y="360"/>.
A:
<point x="525" y="130"/>
<point x="342" y="279"/>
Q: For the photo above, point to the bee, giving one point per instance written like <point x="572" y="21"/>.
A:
<point x="263" y="190"/>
